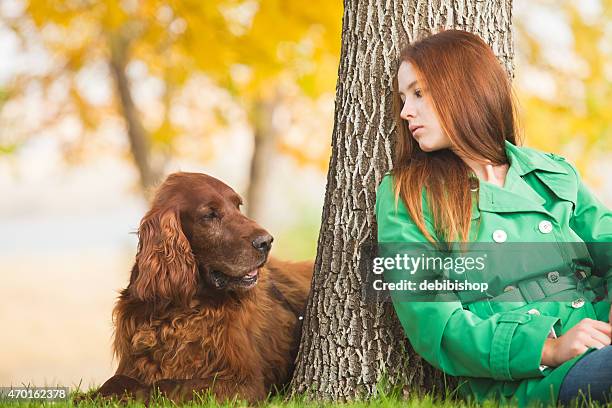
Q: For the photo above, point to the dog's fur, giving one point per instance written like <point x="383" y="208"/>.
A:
<point x="204" y="309"/>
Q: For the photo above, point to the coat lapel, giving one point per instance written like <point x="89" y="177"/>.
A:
<point x="517" y="197"/>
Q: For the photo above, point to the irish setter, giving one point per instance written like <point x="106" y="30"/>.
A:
<point x="205" y="309"/>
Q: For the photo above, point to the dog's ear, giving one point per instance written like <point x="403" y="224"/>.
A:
<point x="166" y="265"/>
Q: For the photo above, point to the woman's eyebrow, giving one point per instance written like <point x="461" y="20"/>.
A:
<point x="412" y="84"/>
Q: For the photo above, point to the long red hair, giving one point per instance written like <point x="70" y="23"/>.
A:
<point x="471" y="95"/>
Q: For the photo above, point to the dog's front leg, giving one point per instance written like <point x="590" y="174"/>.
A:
<point x="123" y="388"/>
<point x="184" y="390"/>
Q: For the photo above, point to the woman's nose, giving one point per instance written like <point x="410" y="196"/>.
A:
<point x="407" y="112"/>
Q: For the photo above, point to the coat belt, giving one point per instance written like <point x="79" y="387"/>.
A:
<point x="565" y="288"/>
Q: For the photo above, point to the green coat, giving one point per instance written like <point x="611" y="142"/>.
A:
<point x="498" y="346"/>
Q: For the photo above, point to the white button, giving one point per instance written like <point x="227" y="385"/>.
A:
<point x="534" y="312"/>
<point x="545" y="227"/>
<point x="553" y="276"/>
<point x="500" y="236"/>
<point x="578" y="303"/>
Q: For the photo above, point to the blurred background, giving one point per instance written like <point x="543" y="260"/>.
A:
<point x="101" y="98"/>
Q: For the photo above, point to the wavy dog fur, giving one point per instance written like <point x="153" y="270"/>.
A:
<point x="205" y="309"/>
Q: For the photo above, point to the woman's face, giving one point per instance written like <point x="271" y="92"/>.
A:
<point x="422" y="120"/>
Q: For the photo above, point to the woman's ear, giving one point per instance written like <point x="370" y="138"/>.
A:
<point x="166" y="266"/>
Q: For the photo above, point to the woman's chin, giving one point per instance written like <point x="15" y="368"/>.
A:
<point x="426" y="147"/>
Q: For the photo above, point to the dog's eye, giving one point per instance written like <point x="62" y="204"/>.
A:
<point x="209" y="215"/>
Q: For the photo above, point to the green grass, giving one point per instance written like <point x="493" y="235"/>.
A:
<point x="387" y="396"/>
<point x="276" y="402"/>
<point x="391" y="400"/>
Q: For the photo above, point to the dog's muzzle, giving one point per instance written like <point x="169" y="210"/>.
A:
<point x="221" y="280"/>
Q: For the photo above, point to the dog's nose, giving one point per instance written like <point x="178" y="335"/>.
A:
<point x="263" y="243"/>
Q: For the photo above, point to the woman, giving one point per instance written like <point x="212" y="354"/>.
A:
<point x="459" y="176"/>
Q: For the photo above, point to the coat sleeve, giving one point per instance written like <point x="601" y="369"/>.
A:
<point x="505" y="346"/>
<point x="592" y="221"/>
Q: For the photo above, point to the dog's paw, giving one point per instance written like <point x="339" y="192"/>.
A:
<point x="168" y="388"/>
<point x="121" y="388"/>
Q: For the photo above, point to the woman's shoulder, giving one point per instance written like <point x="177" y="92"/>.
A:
<point x="395" y="224"/>
<point x="386" y="184"/>
<point x="387" y="195"/>
<point x="388" y="199"/>
<point x="384" y="191"/>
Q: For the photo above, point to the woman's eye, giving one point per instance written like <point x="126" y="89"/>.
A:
<point x="418" y="93"/>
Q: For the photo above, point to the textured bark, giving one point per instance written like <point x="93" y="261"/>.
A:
<point x="137" y="135"/>
<point x="348" y="342"/>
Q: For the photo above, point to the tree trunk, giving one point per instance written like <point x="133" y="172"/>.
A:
<point x="137" y="135"/>
<point x="349" y="343"/>
<point x="264" y="146"/>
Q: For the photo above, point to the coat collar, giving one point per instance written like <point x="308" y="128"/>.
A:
<point x="526" y="160"/>
<point x="517" y="195"/>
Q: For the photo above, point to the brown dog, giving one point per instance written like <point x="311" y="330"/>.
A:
<point x="203" y="310"/>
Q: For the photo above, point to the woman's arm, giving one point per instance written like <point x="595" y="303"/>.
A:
<point x="592" y="221"/>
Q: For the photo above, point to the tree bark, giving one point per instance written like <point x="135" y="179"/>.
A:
<point x="137" y="135"/>
<point x="350" y="343"/>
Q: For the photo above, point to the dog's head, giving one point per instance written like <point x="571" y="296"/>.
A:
<point x="195" y="235"/>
